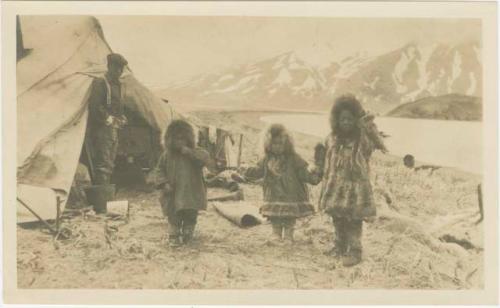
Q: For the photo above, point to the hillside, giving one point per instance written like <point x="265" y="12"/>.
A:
<point x="382" y="82"/>
<point x="444" y="107"/>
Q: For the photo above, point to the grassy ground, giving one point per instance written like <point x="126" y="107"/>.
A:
<point x="402" y="249"/>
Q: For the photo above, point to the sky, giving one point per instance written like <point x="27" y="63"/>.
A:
<point x="166" y="49"/>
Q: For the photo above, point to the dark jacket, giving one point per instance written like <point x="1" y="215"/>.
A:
<point x="101" y="105"/>
<point x="184" y="175"/>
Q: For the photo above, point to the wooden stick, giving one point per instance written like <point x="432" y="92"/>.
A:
<point x="37" y="216"/>
<point x="58" y="213"/>
<point x="238" y="162"/>
<point x="480" y="203"/>
<point x="295" y="276"/>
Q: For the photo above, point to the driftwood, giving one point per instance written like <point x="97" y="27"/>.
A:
<point x="240" y="214"/>
<point x="462" y="242"/>
<point x="240" y="147"/>
<point x="480" y="203"/>
<point x="432" y="168"/>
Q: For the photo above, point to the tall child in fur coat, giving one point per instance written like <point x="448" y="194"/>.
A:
<point x="346" y="193"/>
<point x="285" y="175"/>
<point x="179" y="174"/>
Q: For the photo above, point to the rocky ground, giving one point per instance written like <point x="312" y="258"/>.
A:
<point x="425" y="237"/>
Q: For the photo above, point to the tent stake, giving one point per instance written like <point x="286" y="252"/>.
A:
<point x="58" y="214"/>
<point x="480" y="203"/>
<point x="37" y="216"/>
<point x="238" y="163"/>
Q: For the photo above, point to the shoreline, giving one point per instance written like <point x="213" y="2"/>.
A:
<point x="263" y="108"/>
<point x="200" y="107"/>
<point x="389" y="156"/>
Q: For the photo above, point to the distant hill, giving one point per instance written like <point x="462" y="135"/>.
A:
<point x="445" y="107"/>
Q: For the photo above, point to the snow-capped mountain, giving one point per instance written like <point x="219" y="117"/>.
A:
<point x="408" y="73"/>
<point x="279" y="82"/>
<point x="381" y="82"/>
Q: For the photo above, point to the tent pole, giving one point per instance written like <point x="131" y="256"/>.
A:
<point x="89" y="159"/>
<point x="238" y="163"/>
<point x="58" y="215"/>
<point x="37" y="216"/>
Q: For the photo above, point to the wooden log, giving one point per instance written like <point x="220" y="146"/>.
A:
<point x="480" y="203"/>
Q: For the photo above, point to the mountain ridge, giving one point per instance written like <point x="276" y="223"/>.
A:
<point x="381" y="82"/>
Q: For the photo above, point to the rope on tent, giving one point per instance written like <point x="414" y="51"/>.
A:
<point x="58" y="67"/>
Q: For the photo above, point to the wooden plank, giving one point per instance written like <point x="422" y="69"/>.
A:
<point x="480" y="203"/>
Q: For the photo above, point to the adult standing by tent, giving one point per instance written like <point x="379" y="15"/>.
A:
<point x="53" y="120"/>
<point x="106" y="118"/>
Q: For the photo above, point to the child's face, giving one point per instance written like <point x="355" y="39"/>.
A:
<point x="278" y="145"/>
<point x="347" y="121"/>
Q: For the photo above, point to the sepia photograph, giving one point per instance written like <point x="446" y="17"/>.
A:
<point x="240" y="152"/>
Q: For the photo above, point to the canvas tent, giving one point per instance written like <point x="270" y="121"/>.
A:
<point x="53" y="83"/>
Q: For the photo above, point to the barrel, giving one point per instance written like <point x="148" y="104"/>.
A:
<point x="99" y="195"/>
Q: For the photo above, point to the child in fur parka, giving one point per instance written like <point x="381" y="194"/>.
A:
<point x="346" y="193"/>
<point x="285" y="176"/>
<point x="179" y="174"/>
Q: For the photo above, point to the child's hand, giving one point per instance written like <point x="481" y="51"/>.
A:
<point x="123" y="120"/>
<point x="319" y="154"/>
<point x="109" y="120"/>
<point x="369" y="219"/>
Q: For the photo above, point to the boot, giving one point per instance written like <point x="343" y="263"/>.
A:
<point x="174" y="241"/>
<point x="340" y="240"/>
<point x="340" y="246"/>
<point x="352" y="258"/>
<point x="187" y="233"/>
<point x="289" y="233"/>
<point x="174" y="233"/>
<point x="277" y="231"/>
